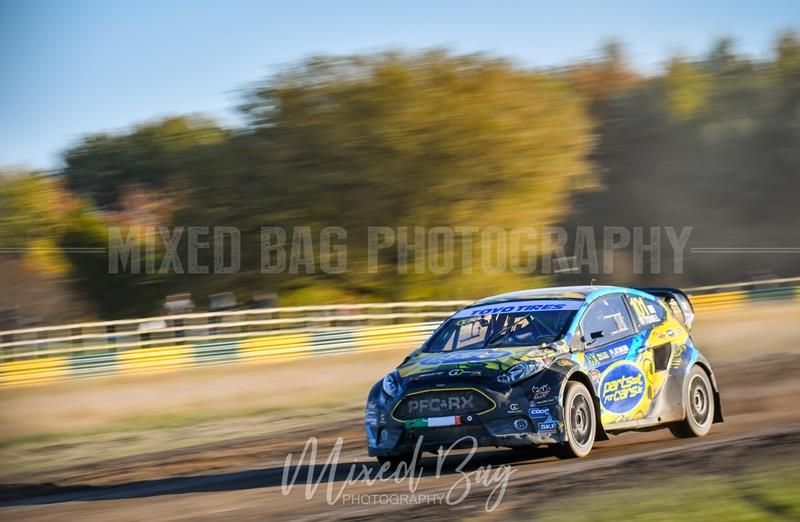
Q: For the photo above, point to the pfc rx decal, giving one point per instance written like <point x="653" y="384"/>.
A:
<point x="429" y="406"/>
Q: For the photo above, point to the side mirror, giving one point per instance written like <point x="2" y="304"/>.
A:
<point x="594" y="335"/>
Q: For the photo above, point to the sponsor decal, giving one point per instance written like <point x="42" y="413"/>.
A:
<point x="564" y="362"/>
<point x="521" y="424"/>
<point x="607" y="355"/>
<point x="435" y="405"/>
<point x="545" y="402"/>
<point x="538" y="413"/>
<point x="594" y="374"/>
<point x="419" y="376"/>
<point x="514" y="409"/>
<point x="465" y="356"/>
<point x="618" y="351"/>
<point x="547" y="427"/>
<point x="370" y="418"/>
<point x="540" y="392"/>
<point x="520" y="306"/>
<point x="622" y="388"/>
<point x="455" y="371"/>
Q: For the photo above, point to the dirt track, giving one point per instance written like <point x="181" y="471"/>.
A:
<point x="241" y="479"/>
<point x="231" y="466"/>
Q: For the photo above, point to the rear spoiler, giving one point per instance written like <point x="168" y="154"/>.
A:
<point x="677" y="301"/>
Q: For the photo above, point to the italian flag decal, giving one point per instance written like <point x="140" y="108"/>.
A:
<point x="433" y="422"/>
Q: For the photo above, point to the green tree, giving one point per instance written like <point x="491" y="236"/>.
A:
<point x="419" y="140"/>
<point x="153" y="155"/>
<point x="688" y="88"/>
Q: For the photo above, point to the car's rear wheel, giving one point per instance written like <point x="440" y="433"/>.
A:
<point x="580" y="421"/>
<point x="698" y="400"/>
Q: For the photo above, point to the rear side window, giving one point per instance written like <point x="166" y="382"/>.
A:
<point x="608" y="319"/>
<point x="646" y="312"/>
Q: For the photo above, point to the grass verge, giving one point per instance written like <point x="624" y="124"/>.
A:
<point x="755" y="494"/>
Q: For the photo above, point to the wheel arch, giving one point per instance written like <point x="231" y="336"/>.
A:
<point x="579" y="376"/>
<point x="706" y="367"/>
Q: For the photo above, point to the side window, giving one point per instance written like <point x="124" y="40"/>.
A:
<point x="606" y="321"/>
<point x="646" y="312"/>
<point x="471" y="332"/>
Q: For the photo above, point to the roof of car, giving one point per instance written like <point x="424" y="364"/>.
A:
<point x="558" y="292"/>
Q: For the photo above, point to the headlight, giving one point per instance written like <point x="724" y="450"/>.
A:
<point x="520" y="371"/>
<point x="391" y="384"/>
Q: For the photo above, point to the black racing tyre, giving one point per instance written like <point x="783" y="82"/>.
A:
<point x="698" y="400"/>
<point x="580" y="423"/>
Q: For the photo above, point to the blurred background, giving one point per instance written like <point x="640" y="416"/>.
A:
<point x="457" y="116"/>
<point x="250" y="114"/>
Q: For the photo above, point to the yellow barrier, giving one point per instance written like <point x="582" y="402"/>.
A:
<point x="717" y="302"/>
<point x="33" y="371"/>
<point x="393" y="336"/>
<point x="153" y="360"/>
<point x="275" y="347"/>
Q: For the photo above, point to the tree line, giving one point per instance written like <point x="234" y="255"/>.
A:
<point x="424" y="139"/>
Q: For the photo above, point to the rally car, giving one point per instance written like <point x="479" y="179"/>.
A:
<point x="562" y="367"/>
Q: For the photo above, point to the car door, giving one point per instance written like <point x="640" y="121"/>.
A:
<point x="612" y="345"/>
<point x="663" y="339"/>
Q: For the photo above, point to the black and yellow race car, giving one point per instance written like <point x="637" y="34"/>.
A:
<point x="557" y="366"/>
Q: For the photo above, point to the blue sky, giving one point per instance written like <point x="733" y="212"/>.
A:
<point x="74" y="67"/>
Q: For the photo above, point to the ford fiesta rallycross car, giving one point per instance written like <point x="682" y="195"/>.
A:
<point x="558" y="366"/>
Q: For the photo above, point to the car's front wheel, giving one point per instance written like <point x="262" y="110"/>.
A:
<point x="580" y="421"/>
<point x="698" y="400"/>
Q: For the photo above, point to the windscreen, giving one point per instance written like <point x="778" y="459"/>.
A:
<point x="505" y="325"/>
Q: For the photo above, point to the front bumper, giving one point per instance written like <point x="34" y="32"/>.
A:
<point x="511" y="432"/>
<point x="507" y="424"/>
